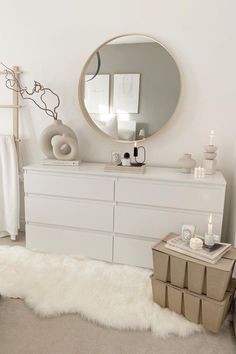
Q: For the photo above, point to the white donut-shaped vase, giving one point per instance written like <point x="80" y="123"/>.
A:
<point x="55" y="129"/>
<point x="65" y="143"/>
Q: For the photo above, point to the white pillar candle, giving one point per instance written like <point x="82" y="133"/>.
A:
<point x="210" y="226"/>
<point x="199" y="172"/>
<point x="196" y="243"/>
<point x="211" y="138"/>
<point x="202" y="172"/>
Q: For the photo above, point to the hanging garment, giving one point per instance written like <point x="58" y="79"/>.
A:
<point x="9" y="187"/>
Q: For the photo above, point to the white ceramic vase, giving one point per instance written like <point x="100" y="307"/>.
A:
<point x="210" y="162"/>
<point x="186" y="163"/>
<point x="59" y="141"/>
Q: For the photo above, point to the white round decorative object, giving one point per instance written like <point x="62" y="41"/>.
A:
<point x="196" y="243"/>
<point x="186" y="163"/>
<point x="211" y="148"/>
<point x="57" y="129"/>
<point x="210" y="155"/>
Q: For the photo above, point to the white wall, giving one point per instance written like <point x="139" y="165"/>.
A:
<point x="50" y="41"/>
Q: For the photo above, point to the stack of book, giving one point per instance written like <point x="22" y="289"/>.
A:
<point x="54" y="162"/>
<point x="209" y="255"/>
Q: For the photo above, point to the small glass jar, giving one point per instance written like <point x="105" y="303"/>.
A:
<point x="115" y="158"/>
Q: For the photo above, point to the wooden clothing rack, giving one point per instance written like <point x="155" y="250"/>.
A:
<point x="15" y="118"/>
<point x="15" y="108"/>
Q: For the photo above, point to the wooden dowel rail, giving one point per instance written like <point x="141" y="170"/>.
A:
<point x="15" y="71"/>
<point x="9" y="106"/>
<point x="14" y="106"/>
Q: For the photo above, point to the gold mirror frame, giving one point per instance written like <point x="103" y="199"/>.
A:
<point x="82" y="82"/>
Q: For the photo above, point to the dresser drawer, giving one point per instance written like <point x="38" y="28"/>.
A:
<point x="69" y="186"/>
<point x="67" y="241"/>
<point x="155" y="223"/>
<point x="69" y="212"/>
<point x="132" y="251"/>
<point x="187" y="196"/>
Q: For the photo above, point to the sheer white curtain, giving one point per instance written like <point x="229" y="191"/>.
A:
<point x="9" y="187"/>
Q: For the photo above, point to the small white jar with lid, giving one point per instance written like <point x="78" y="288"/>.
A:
<point x="126" y="160"/>
<point x="196" y="243"/>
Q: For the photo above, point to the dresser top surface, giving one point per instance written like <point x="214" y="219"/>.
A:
<point x="151" y="173"/>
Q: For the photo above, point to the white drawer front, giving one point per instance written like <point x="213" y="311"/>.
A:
<point x="48" y="239"/>
<point x="69" y="212"/>
<point x="70" y="186"/>
<point x="171" y="195"/>
<point x="155" y="223"/>
<point x="133" y="251"/>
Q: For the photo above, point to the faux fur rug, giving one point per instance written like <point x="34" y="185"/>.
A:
<point x="112" y="295"/>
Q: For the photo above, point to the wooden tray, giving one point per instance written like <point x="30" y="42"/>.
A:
<point x="125" y="169"/>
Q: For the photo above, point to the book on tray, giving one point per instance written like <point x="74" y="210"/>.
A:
<point x="210" y="255"/>
<point x="54" y="162"/>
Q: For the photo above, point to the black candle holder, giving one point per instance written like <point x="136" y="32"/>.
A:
<point x="136" y="153"/>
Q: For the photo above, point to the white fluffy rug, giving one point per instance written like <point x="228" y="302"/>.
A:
<point x="112" y="295"/>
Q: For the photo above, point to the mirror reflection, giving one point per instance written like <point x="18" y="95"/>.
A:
<point x="130" y="88"/>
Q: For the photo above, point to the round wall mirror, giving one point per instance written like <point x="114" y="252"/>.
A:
<point x="129" y="88"/>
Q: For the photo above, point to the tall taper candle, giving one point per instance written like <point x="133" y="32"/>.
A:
<point x="210" y="226"/>
<point x="211" y="138"/>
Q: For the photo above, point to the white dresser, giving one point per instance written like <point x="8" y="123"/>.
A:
<point x="115" y="216"/>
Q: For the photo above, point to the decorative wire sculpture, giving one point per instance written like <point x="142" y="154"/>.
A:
<point x="98" y="66"/>
<point x="13" y="83"/>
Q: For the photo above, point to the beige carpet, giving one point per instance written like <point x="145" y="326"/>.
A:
<point x="21" y="332"/>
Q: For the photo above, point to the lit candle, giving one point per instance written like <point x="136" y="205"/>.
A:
<point x="210" y="226"/>
<point x="197" y="172"/>
<point x="212" y="134"/>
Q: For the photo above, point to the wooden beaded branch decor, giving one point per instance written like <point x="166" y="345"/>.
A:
<point x="57" y="141"/>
